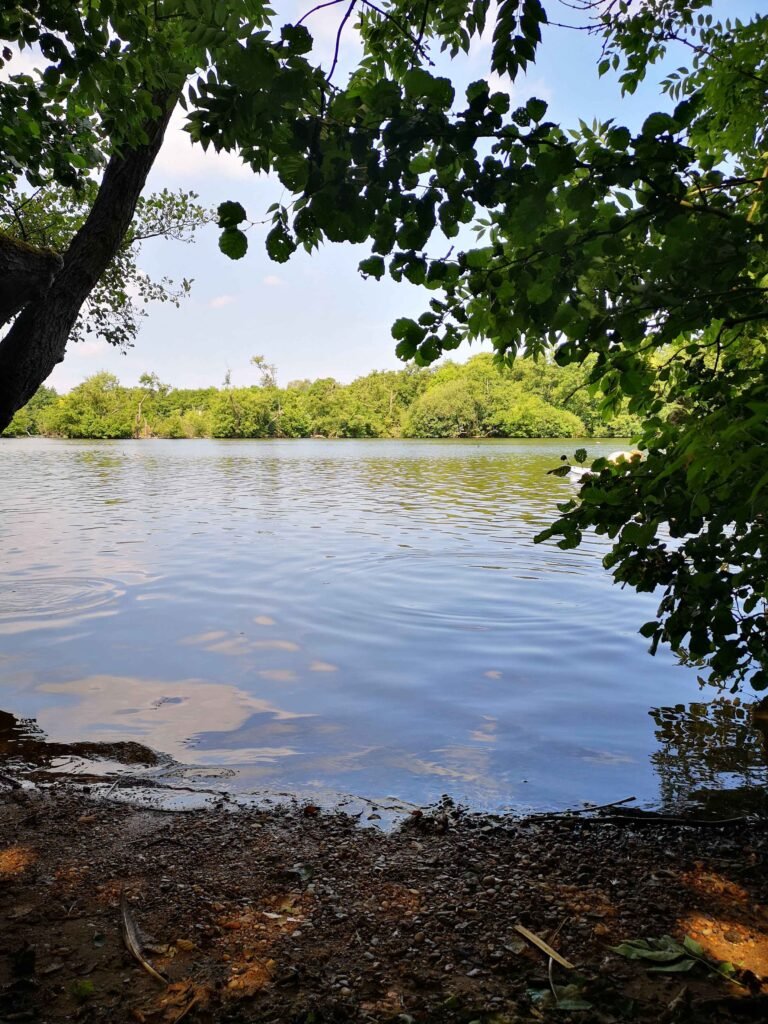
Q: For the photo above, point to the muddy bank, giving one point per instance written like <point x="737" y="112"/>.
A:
<point x="297" y="915"/>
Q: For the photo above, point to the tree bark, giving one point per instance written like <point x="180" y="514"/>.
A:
<point x="38" y="339"/>
<point x="26" y="273"/>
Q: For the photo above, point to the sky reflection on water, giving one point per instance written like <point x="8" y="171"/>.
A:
<point x="368" y="617"/>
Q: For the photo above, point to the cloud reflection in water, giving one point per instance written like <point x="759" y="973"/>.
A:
<point x="164" y="715"/>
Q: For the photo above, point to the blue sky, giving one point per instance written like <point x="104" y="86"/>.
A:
<point x="315" y="316"/>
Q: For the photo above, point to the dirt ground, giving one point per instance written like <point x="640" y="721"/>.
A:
<point x="295" y="915"/>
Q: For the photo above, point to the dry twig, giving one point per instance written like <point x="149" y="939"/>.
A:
<point x="133" y="942"/>
<point x="543" y="946"/>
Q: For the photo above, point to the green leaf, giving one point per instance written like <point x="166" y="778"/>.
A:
<point x="419" y="84"/>
<point x="230" y="214"/>
<point x="691" y="945"/>
<point x="233" y="243"/>
<point x="642" y="949"/>
<point x="372" y="267"/>
<point x="539" y="291"/>
<point x="477" y="90"/>
<point x="677" y="967"/>
<point x="405" y="329"/>
<point x="536" y="108"/>
<point x="420" y="164"/>
<point x="280" y="245"/>
<point x="657" y="123"/>
<point x="297" y="37"/>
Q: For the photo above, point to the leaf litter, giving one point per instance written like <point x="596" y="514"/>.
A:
<point x="279" y="915"/>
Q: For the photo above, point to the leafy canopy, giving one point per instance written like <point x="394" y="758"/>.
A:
<point x="49" y="217"/>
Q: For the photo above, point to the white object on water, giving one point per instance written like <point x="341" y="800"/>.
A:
<point x="623" y="456"/>
<point x="577" y="473"/>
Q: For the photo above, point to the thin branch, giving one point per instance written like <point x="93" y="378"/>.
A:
<point x="423" y="25"/>
<point x="344" y="21"/>
<point x="746" y="319"/>
<point x="330" y="3"/>
<point x="398" y="25"/>
<point x="17" y="217"/>
<point x="574" y="28"/>
<point x="730" y="183"/>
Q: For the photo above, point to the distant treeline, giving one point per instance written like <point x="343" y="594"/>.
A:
<point x="473" y="399"/>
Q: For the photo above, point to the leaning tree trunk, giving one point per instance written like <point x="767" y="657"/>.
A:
<point x="38" y="339"/>
<point x="26" y="274"/>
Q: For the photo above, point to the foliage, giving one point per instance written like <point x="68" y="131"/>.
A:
<point x="27" y="420"/>
<point x="98" y="407"/>
<point x="531" y="416"/>
<point x="451" y="400"/>
<point x="668" y="956"/>
<point x="50" y="216"/>
<point x="447" y="410"/>
<point x="106" y="67"/>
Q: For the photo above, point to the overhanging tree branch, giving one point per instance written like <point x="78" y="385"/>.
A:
<point x="37" y="340"/>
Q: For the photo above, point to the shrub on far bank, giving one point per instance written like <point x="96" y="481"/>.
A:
<point x="452" y="400"/>
<point x="531" y="416"/>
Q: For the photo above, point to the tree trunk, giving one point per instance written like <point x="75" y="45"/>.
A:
<point x="26" y="273"/>
<point x="38" y="339"/>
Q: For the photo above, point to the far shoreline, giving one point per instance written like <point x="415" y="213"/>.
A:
<point x="319" y="437"/>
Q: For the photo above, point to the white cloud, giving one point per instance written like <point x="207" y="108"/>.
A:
<point x="221" y="300"/>
<point x="272" y="281"/>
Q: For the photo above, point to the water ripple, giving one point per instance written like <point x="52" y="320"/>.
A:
<point x="359" y="616"/>
<point x="52" y="602"/>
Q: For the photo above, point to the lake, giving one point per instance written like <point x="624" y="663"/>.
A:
<point x="364" y="617"/>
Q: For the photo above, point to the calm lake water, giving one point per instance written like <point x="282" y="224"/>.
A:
<point x="356" y="617"/>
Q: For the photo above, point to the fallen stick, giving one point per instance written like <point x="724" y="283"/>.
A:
<point x="648" y="818"/>
<point x="583" y="810"/>
<point x="543" y="946"/>
<point x="193" y="1002"/>
<point x="133" y="943"/>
